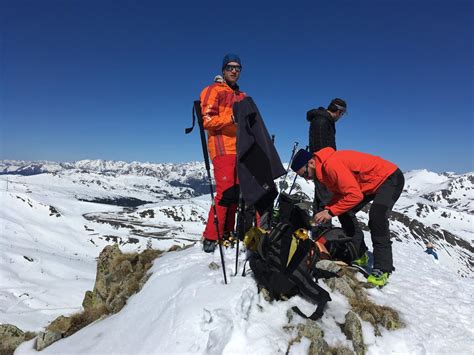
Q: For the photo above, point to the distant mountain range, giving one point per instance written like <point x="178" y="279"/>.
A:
<point x="190" y="174"/>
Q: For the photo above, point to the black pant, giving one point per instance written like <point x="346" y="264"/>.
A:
<point x="382" y="203"/>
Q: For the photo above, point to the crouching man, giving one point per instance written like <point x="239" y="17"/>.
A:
<point x="356" y="179"/>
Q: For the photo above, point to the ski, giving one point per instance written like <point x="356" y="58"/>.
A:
<point x="360" y="269"/>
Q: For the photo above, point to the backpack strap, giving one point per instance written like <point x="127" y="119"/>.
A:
<point x="294" y="275"/>
<point x="318" y="313"/>
<point x="351" y="249"/>
<point x="309" y="289"/>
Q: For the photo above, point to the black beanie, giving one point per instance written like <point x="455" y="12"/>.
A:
<point x="333" y="105"/>
<point x="301" y="158"/>
<point x="230" y="57"/>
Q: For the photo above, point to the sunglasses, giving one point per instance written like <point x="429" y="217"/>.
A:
<point x="341" y="108"/>
<point x="237" y="68"/>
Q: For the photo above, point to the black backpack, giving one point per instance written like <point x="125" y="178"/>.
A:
<point x="293" y="210"/>
<point x="282" y="265"/>
<point x="337" y="245"/>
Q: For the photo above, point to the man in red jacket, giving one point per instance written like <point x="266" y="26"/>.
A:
<point x="355" y="179"/>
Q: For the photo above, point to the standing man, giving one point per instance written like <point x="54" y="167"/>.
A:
<point x="216" y="106"/>
<point x="322" y="134"/>
<point x="355" y="179"/>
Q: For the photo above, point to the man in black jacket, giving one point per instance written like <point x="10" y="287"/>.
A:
<point x="322" y="134"/>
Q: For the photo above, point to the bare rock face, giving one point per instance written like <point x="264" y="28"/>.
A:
<point x="315" y="334"/>
<point x="312" y="331"/>
<point x="341" y="351"/>
<point x="104" y="276"/>
<point x="214" y="266"/>
<point x="343" y="285"/>
<point x="353" y="330"/>
<point x="118" y="277"/>
<point x="10" y="338"/>
<point x="328" y="265"/>
<point x="46" y="338"/>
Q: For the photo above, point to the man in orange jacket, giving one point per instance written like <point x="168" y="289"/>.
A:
<point x="216" y="106"/>
<point x="355" y="179"/>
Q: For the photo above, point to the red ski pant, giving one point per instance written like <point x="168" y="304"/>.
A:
<point x="227" y="196"/>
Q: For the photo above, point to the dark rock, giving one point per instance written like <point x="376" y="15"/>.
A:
<point x="353" y="330"/>
<point x="315" y="334"/>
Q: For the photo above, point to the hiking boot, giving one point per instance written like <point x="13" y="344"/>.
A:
<point x="378" y="277"/>
<point x="363" y="261"/>
<point x="229" y="240"/>
<point x="209" y="245"/>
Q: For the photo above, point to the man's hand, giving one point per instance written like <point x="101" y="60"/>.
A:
<point x="322" y="217"/>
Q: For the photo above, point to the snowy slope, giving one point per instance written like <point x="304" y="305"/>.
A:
<point x="49" y="239"/>
<point x="186" y="308"/>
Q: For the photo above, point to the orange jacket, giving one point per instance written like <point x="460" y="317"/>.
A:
<point x="350" y="175"/>
<point x="216" y="106"/>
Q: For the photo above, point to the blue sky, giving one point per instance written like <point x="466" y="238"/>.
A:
<point x="116" y="79"/>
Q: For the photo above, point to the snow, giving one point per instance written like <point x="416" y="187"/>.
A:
<point x="186" y="308"/>
<point x="47" y="263"/>
<point x="423" y="180"/>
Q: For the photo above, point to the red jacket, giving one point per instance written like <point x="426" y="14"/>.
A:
<point x="350" y="175"/>
<point x="216" y="106"/>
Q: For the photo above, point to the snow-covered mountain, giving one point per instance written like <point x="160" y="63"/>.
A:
<point x="189" y="174"/>
<point x="56" y="217"/>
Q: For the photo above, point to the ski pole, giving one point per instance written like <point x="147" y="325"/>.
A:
<point x="293" y="184"/>
<point x="294" y="180"/>
<point x="240" y="229"/>
<point x="295" y="145"/>
<point x="197" y="111"/>
<point x="291" y="159"/>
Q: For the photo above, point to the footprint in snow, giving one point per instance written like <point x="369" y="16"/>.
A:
<point x="219" y="326"/>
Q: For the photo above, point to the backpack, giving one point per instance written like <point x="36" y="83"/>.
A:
<point x="281" y="266"/>
<point x="283" y="260"/>
<point x="334" y="244"/>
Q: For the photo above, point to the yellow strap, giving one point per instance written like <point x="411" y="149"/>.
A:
<point x="252" y="237"/>
<point x="301" y="234"/>
<point x="293" y="246"/>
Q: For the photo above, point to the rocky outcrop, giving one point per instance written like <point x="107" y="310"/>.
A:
<point x="11" y="337"/>
<point x="118" y="277"/>
<point x="311" y="331"/>
<point x="315" y="334"/>
<point x="352" y="328"/>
